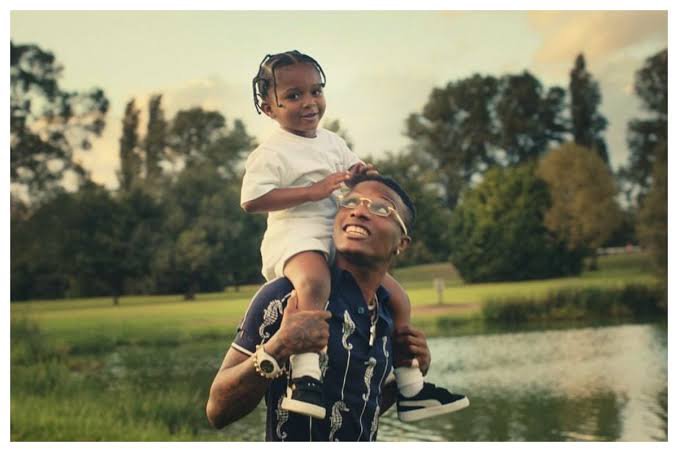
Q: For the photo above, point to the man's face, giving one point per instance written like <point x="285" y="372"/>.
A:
<point x="301" y="99"/>
<point x="358" y="233"/>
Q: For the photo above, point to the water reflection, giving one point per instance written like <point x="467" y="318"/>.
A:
<point x="590" y="384"/>
<point x="586" y="384"/>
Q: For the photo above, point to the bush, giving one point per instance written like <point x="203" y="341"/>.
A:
<point x="498" y="231"/>
<point x="635" y="301"/>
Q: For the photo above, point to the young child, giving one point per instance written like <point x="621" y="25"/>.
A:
<point x="292" y="175"/>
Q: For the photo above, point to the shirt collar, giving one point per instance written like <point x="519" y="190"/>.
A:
<point x="343" y="280"/>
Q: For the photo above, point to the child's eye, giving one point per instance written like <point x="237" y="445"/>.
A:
<point x="317" y="92"/>
<point x="293" y="96"/>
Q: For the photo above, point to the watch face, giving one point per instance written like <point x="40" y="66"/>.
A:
<point x="266" y="366"/>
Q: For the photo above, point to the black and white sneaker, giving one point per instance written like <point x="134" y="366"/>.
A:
<point x="430" y="401"/>
<point x="305" y="396"/>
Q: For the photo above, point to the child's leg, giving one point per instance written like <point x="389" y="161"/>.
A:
<point x="408" y="377"/>
<point x="310" y="275"/>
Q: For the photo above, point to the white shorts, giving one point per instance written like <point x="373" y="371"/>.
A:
<point x="281" y="243"/>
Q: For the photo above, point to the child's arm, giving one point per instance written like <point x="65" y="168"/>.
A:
<point x="284" y="198"/>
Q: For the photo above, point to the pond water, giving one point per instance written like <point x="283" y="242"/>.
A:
<point x="580" y="384"/>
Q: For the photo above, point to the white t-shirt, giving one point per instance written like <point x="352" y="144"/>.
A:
<point x="286" y="160"/>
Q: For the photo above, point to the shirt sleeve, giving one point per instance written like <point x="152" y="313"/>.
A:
<point x="348" y="156"/>
<point x="262" y="174"/>
<point x="263" y="316"/>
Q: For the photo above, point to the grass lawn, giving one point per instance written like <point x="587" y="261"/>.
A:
<point x="71" y="380"/>
<point x="95" y="322"/>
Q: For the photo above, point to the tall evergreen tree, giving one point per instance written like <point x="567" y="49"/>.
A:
<point x="648" y="162"/>
<point x="130" y="158"/>
<point x="648" y="137"/>
<point x="156" y="140"/>
<point x="588" y="124"/>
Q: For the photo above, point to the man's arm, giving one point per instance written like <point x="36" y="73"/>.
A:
<point x="237" y="388"/>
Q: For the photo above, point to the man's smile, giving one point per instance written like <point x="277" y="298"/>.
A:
<point x="356" y="231"/>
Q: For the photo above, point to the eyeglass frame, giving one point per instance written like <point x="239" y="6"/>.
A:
<point x="391" y="209"/>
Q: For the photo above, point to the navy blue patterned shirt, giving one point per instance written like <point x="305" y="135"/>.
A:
<point x="353" y="371"/>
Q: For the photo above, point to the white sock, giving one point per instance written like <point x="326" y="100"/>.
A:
<point x="305" y="365"/>
<point x="410" y="380"/>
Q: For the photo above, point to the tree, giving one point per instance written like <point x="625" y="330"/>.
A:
<point x="648" y="168"/>
<point x="648" y="137"/>
<point x="47" y="123"/>
<point x="583" y="211"/>
<point x="456" y="128"/>
<point x="208" y="241"/>
<point x="652" y="226"/>
<point x="155" y="142"/>
<point x="36" y="256"/>
<point x="74" y="244"/>
<point x="193" y="131"/>
<point x="529" y="119"/>
<point x="588" y="124"/>
<point x="498" y="233"/>
<point x="430" y="234"/>
<point x="130" y="158"/>
<point x="198" y="136"/>
<point x="481" y="121"/>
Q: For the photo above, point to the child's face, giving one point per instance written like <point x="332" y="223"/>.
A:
<point x="301" y="95"/>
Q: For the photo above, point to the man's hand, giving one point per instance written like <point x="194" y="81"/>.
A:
<point x="324" y="188"/>
<point x="411" y="343"/>
<point x="300" y="331"/>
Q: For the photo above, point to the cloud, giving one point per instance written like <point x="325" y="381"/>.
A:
<point x="599" y="34"/>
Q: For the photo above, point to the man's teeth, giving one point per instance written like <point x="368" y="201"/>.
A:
<point x="356" y="230"/>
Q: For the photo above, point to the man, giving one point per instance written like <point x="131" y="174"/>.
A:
<point x="356" y="328"/>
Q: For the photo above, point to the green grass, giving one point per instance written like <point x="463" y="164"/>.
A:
<point x="94" y="323"/>
<point x="87" y="370"/>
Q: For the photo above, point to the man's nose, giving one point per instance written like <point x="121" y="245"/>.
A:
<point x="361" y="211"/>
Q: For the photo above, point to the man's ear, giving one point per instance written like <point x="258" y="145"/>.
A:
<point x="404" y="243"/>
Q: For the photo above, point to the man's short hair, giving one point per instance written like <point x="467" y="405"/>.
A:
<point x="411" y="213"/>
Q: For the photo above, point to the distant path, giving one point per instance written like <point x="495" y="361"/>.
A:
<point x="443" y="309"/>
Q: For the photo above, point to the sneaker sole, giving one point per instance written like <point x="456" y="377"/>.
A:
<point x="417" y="415"/>
<point x="307" y="409"/>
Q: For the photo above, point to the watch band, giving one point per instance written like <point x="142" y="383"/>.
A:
<point x="266" y="365"/>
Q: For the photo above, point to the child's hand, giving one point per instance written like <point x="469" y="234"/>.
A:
<point x="324" y="188"/>
<point x="360" y="168"/>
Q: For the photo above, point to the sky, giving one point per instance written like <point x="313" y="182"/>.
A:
<point x="380" y="65"/>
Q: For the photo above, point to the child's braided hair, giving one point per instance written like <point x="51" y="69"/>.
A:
<point x="265" y="78"/>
